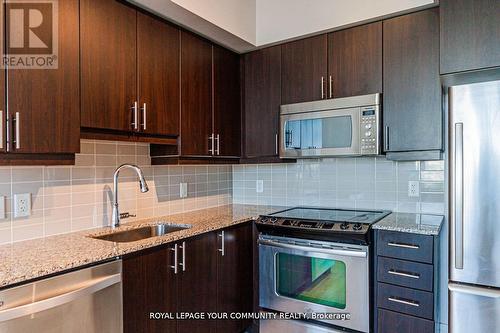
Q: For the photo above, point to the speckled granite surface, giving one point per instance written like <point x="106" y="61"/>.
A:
<point x="412" y="223"/>
<point x="32" y="259"/>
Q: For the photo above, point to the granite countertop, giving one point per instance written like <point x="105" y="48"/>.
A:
<point x="36" y="258"/>
<point x="424" y="224"/>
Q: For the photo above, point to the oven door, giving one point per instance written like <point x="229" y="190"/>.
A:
<point x="320" y="133"/>
<point x="300" y="276"/>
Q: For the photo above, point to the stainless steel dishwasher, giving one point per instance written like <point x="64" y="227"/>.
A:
<point x="88" y="300"/>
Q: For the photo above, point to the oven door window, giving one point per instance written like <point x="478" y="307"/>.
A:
<point x="331" y="132"/>
<point x="314" y="280"/>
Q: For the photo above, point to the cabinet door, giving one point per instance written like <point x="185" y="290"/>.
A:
<point x="262" y="99"/>
<point x="197" y="288"/>
<point x="108" y="64"/>
<point x="149" y="285"/>
<point x="46" y="102"/>
<point x="355" y="61"/>
<point x="196" y="95"/>
<point x="158" y="67"/>
<point x="470" y="31"/>
<point x="227" y="111"/>
<point x="304" y="70"/>
<point x="413" y="119"/>
<point x="234" y="277"/>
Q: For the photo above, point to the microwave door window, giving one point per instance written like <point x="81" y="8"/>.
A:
<point x="336" y="132"/>
<point x="293" y="134"/>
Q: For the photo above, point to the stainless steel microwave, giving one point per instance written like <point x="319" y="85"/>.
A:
<point x="349" y="126"/>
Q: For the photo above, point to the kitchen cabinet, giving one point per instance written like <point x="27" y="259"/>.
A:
<point x="235" y="275"/>
<point x="158" y="71"/>
<point x="196" y="96"/>
<point x="470" y="31"/>
<point x="43" y="111"/>
<point x="190" y="275"/>
<point x="355" y="61"/>
<point x="304" y="70"/>
<point x="227" y="110"/>
<point x="261" y="103"/>
<point x="413" y="118"/>
<point x="108" y="64"/>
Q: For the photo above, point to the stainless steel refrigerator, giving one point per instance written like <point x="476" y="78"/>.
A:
<point x="474" y="156"/>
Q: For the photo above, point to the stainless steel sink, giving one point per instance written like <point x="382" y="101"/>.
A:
<point x="132" y="235"/>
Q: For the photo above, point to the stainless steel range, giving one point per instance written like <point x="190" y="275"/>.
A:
<point x="317" y="260"/>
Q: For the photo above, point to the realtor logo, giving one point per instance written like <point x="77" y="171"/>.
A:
<point x="31" y="29"/>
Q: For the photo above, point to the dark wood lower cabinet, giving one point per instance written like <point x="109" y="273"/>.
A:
<point x="149" y="285"/>
<point x="391" y="322"/>
<point x="206" y="282"/>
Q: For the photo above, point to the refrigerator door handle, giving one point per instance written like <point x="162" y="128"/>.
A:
<point x="465" y="289"/>
<point x="459" y="195"/>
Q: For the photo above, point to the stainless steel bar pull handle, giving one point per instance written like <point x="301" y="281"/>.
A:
<point x="222" y="249"/>
<point x="459" y="194"/>
<point x="322" y="87"/>
<point x="397" y="300"/>
<point x="17" y="138"/>
<point x="217" y="149"/>
<point x="183" y="263"/>
<point x="211" y="139"/>
<point x="135" y="120"/>
<point x="144" y="115"/>
<point x="174" y="266"/>
<point x="386" y="139"/>
<point x="404" y="246"/>
<point x="330" y="86"/>
<point x="403" y="274"/>
<point x="276" y="143"/>
<point x="1" y="129"/>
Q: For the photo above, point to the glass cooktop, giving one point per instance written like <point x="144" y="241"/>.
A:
<point x="335" y="215"/>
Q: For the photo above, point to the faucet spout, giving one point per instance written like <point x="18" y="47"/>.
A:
<point x="115" y="218"/>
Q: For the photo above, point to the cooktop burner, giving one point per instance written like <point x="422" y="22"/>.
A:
<point x="347" y="225"/>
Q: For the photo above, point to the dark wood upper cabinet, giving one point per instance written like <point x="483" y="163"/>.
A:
<point x="304" y="70"/>
<point x="108" y="64"/>
<point x="197" y="291"/>
<point x="470" y="34"/>
<point x="261" y="102"/>
<point x="158" y="70"/>
<point x="227" y="110"/>
<point x="413" y="118"/>
<point x="149" y="285"/>
<point x="234" y="276"/>
<point x="355" y="61"/>
<point x="45" y="103"/>
<point x="196" y="95"/>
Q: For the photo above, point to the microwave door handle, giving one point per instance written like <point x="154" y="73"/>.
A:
<point x="339" y="252"/>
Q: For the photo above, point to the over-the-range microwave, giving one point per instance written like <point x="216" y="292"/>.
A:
<point x="347" y="126"/>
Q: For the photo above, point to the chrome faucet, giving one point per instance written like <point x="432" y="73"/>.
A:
<point x="115" y="218"/>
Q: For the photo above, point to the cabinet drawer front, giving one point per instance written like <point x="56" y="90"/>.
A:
<point x="405" y="273"/>
<point x="405" y="246"/>
<point x="390" y="322"/>
<point x="410" y="301"/>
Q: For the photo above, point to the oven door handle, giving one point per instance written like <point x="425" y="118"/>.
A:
<point x="340" y="252"/>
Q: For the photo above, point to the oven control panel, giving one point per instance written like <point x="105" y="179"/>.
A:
<point x="369" y="131"/>
<point x="313" y="224"/>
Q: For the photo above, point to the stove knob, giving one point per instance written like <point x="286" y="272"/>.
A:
<point x="357" y="226"/>
<point x="344" y="226"/>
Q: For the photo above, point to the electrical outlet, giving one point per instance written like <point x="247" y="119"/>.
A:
<point x="413" y="188"/>
<point x="183" y="190"/>
<point x="259" y="186"/>
<point x="22" y="205"/>
<point x="2" y="207"/>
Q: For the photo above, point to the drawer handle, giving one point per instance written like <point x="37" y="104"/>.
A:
<point x="397" y="300"/>
<point x="409" y="275"/>
<point x="405" y="246"/>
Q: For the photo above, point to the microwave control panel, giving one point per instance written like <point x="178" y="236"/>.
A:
<point x="369" y="131"/>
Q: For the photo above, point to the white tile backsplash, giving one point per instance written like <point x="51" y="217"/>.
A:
<point x="373" y="183"/>
<point x="67" y="199"/>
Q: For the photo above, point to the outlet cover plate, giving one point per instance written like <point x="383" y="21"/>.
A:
<point x="2" y="207"/>
<point x="22" y="205"/>
<point x="259" y="186"/>
<point x="183" y="190"/>
<point x="413" y="189"/>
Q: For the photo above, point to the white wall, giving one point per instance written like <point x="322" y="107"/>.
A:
<point x="235" y="16"/>
<point x="284" y="19"/>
